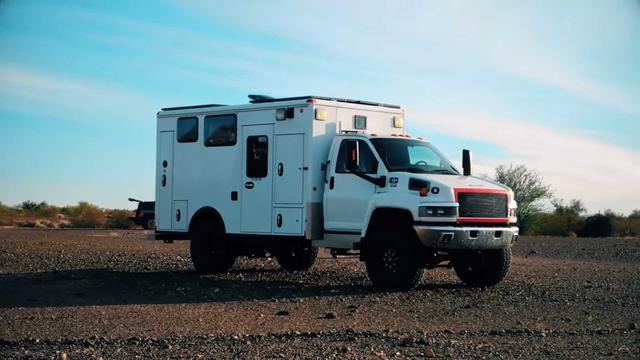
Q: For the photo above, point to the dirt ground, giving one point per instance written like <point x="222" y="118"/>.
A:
<point x="112" y="294"/>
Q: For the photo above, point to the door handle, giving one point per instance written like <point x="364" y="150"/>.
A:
<point x="249" y="185"/>
<point x="279" y="220"/>
<point x="332" y="183"/>
<point x="163" y="181"/>
<point x="280" y="169"/>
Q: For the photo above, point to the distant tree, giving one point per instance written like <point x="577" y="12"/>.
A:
<point x="575" y="207"/>
<point x="635" y="214"/>
<point x="28" y="205"/>
<point x="612" y="214"/>
<point x="529" y="189"/>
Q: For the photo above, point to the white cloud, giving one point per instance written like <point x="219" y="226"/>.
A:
<point x="576" y="166"/>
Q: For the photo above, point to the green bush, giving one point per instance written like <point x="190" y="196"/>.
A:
<point x="629" y="226"/>
<point x="119" y="219"/>
<point x="86" y="215"/>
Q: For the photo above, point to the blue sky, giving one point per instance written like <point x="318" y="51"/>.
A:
<point x="554" y="86"/>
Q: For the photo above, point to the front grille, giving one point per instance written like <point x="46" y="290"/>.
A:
<point x="478" y="205"/>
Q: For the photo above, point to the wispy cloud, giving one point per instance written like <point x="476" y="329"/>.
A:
<point x="576" y="165"/>
<point x="32" y="90"/>
<point x="442" y="37"/>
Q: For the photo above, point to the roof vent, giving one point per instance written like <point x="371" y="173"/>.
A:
<point x="254" y="99"/>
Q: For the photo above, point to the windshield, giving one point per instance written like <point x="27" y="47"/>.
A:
<point x="412" y="156"/>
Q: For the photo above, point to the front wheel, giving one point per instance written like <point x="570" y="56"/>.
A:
<point x="297" y="258"/>
<point x="482" y="268"/>
<point x="392" y="260"/>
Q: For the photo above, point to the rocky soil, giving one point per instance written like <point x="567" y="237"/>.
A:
<point x="81" y="294"/>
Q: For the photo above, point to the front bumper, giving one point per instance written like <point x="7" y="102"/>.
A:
<point x="466" y="238"/>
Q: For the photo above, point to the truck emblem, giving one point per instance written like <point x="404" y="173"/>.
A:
<point x="393" y="182"/>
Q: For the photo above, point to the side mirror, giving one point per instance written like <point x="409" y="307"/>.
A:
<point x="353" y="156"/>
<point x="466" y="162"/>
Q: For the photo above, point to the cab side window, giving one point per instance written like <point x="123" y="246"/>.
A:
<point x="368" y="163"/>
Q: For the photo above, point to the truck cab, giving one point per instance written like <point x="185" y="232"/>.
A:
<point x="405" y="188"/>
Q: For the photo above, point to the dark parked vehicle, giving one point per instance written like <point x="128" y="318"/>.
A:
<point x="145" y="214"/>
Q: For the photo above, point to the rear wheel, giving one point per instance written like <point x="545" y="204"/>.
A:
<point x="392" y="260"/>
<point x="297" y="258"/>
<point x="211" y="251"/>
<point x="149" y="224"/>
<point x="482" y="268"/>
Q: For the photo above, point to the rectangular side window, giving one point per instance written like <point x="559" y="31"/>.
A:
<point x="187" y="129"/>
<point x="220" y="130"/>
<point x="257" y="156"/>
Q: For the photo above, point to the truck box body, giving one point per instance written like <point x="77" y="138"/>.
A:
<point x="266" y="174"/>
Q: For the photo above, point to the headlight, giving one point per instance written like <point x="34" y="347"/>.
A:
<point x="444" y="211"/>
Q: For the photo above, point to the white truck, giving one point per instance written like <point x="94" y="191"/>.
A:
<point x="283" y="177"/>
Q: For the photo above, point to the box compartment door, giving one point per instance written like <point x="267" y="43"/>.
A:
<point x="287" y="220"/>
<point x="289" y="172"/>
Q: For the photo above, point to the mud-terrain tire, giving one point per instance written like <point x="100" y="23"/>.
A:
<point x="297" y="258"/>
<point x="211" y="251"/>
<point x="149" y="224"/>
<point x="392" y="260"/>
<point x="482" y="268"/>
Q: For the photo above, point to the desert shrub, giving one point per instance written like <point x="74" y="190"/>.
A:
<point x="119" y="219"/>
<point x="86" y="215"/>
<point x="598" y="225"/>
<point x="557" y="224"/>
<point x="629" y="226"/>
<point x="45" y="210"/>
<point x="10" y="216"/>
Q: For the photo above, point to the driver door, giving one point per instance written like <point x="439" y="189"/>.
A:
<point x="347" y="196"/>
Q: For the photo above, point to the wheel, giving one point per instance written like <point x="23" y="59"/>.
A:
<point x="392" y="262"/>
<point x="149" y="225"/>
<point x="482" y="268"/>
<point x="211" y="251"/>
<point x="297" y="258"/>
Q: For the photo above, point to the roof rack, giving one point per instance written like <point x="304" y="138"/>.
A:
<point x="260" y="99"/>
<point x="257" y="99"/>
<point x="190" y="107"/>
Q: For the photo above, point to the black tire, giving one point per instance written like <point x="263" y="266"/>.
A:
<point x="149" y="224"/>
<point x="392" y="260"/>
<point x="482" y="268"/>
<point x="297" y="258"/>
<point x="211" y="252"/>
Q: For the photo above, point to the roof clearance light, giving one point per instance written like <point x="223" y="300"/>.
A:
<point x="398" y="122"/>
<point x="281" y="114"/>
<point x="321" y="114"/>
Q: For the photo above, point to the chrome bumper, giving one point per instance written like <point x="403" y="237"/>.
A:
<point x="462" y="238"/>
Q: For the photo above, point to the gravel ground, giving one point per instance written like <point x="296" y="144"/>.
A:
<point x="112" y="294"/>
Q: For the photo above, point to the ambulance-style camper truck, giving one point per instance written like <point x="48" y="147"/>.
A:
<point x="283" y="177"/>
